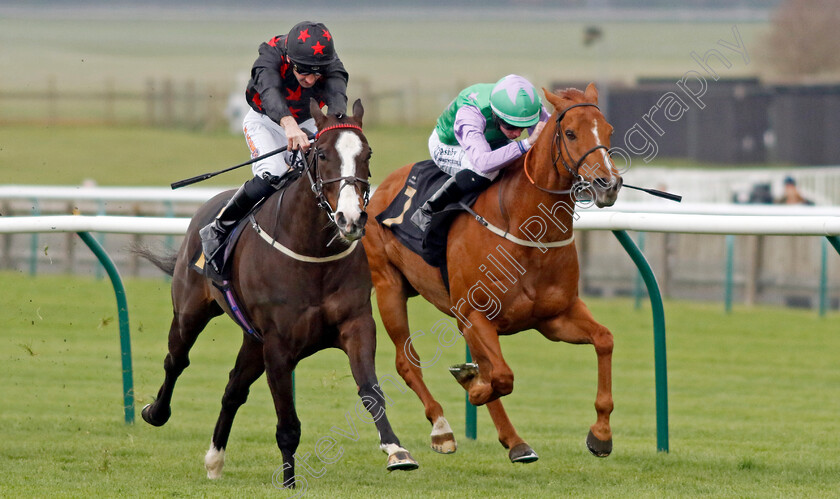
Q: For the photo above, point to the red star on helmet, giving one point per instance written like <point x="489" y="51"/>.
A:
<point x="304" y="35"/>
<point x="327" y="35"/>
<point x="318" y="48"/>
<point x="294" y="95"/>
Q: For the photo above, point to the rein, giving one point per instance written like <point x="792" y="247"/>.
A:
<point x="579" y="183"/>
<point x="310" y="165"/>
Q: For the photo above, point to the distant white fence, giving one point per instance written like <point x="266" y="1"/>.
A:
<point x="773" y="225"/>
<point x="689" y="265"/>
<point x="710" y="185"/>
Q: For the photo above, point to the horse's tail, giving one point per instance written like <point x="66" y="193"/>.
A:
<point x="165" y="261"/>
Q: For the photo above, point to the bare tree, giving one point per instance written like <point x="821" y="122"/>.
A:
<point x="805" y="38"/>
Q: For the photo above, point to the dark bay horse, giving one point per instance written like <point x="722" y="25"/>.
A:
<point x="500" y="286"/>
<point x="317" y="298"/>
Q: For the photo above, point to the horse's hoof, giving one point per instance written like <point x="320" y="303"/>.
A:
<point x="599" y="448"/>
<point x="444" y="443"/>
<point x="523" y="453"/>
<point x="464" y="373"/>
<point x="401" y="460"/>
<point x="147" y="416"/>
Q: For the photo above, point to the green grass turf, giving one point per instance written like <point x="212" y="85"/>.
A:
<point x="753" y="401"/>
<point x="438" y="49"/>
<point x="139" y="156"/>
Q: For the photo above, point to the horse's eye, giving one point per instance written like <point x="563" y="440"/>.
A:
<point x="571" y="135"/>
<point x="322" y="154"/>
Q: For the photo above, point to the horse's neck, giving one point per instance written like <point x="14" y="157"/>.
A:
<point x="293" y="218"/>
<point x="523" y="201"/>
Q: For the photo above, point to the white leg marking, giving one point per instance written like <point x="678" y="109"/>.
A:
<point x="391" y="449"/>
<point x="214" y="461"/>
<point x="441" y="427"/>
<point x="348" y="147"/>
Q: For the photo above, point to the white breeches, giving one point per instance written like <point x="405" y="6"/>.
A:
<point x="452" y="159"/>
<point x="263" y="136"/>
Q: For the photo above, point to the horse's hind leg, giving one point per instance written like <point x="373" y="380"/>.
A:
<point x="578" y="326"/>
<point x="358" y="339"/>
<point x="249" y="366"/>
<point x="192" y="314"/>
<point x="391" y="300"/>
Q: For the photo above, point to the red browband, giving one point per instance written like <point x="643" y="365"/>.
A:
<point x="341" y="125"/>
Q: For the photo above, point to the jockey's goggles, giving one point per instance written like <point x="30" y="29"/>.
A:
<point x="504" y="124"/>
<point x="304" y="70"/>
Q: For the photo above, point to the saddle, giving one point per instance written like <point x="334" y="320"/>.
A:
<point x="222" y="281"/>
<point x="424" y="179"/>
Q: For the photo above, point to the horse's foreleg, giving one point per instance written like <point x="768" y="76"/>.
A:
<point x="495" y="378"/>
<point x="578" y="326"/>
<point x="358" y="339"/>
<point x="392" y="308"/>
<point x="278" y="369"/>
<point x="519" y="450"/>
<point x="183" y="332"/>
<point x="249" y="366"/>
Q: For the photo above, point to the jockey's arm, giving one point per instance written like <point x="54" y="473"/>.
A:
<point x="469" y="131"/>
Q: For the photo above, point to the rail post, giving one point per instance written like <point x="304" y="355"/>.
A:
<point x="122" y="312"/>
<point x="470" y="416"/>
<point x="659" y="353"/>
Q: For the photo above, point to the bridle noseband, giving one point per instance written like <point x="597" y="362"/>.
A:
<point x="579" y="183"/>
<point x="314" y="173"/>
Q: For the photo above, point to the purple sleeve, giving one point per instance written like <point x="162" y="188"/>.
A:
<point x="469" y="132"/>
<point x="544" y="116"/>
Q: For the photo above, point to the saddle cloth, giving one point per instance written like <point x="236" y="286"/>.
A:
<point x="424" y="179"/>
<point x="223" y="281"/>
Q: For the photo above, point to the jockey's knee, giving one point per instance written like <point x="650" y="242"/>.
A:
<point x="469" y="181"/>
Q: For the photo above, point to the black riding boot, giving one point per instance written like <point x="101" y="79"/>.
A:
<point x="214" y="234"/>
<point x="449" y="192"/>
<point x="463" y="182"/>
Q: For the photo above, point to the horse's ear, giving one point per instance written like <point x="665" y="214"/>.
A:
<point x="315" y="111"/>
<point x="591" y="93"/>
<point x="358" y="111"/>
<point x="554" y="99"/>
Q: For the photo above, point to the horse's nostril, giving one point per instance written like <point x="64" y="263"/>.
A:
<point x="363" y="219"/>
<point x="340" y="219"/>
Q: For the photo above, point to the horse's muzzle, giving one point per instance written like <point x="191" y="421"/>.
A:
<point x="606" y="190"/>
<point x="351" y="230"/>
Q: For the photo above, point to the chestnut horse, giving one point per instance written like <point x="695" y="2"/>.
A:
<point x="314" y="296"/>
<point x="533" y="199"/>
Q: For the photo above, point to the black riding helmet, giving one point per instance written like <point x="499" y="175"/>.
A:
<point x="310" y="47"/>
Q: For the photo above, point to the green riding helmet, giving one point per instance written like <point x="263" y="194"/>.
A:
<point x="515" y="101"/>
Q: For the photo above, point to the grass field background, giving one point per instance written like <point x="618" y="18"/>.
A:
<point x="753" y="402"/>
<point x="433" y="48"/>
<point x="435" y="52"/>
